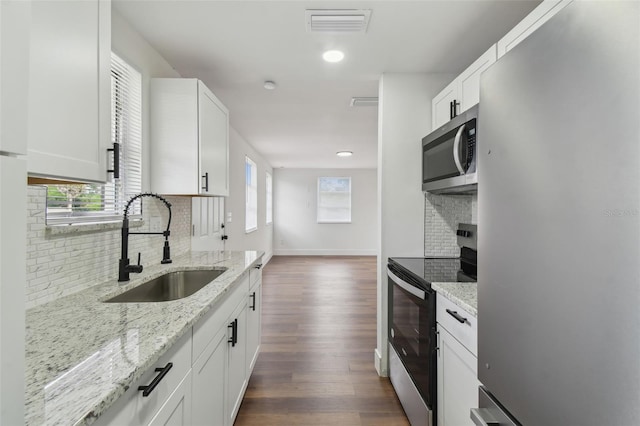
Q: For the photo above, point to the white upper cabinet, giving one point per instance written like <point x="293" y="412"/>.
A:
<point x="530" y="23"/>
<point x="69" y="89"/>
<point x="15" y="18"/>
<point x="463" y="92"/>
<point x="189" y="139"/>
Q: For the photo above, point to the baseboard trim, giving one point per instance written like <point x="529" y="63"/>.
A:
<point x="324" y="252"/>
<point x="377" y="362"/>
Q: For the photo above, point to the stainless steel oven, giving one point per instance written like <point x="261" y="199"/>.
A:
<point x="412" y="339"/>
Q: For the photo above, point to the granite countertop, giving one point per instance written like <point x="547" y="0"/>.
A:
<point x="82" y="354"/>
<point x="464" y="295"/>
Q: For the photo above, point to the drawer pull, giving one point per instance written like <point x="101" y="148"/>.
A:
<point x="457" y="316"/>
<point x="234" y="332"/>
<point x="146" y="390"/>
<point x="253" y="298"/>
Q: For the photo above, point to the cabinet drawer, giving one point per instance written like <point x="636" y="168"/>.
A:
<point x="465" y="332"/>
<point x="134" y="408"/>
<point x="207" y="328"/>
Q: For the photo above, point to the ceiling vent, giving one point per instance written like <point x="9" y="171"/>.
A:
<point x="362" y="101"/>
<point x="337" y="21"/>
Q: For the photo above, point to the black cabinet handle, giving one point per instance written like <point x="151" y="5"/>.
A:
<point x="116" y="160"/>
<point x="455" y="108"/>
<point x="253" y="301"/>
<point x="206" y="182"/>
<point x="457" y="316"/>
<point x="450" y="110"/>
<point x="234" y="332"/>
<point x="258" y="266"/>
<point x="146" y="390"/>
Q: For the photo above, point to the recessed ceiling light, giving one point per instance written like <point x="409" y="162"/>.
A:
<point x="269" y="85"/>
<point x="333" y="56"/>
<point x="344" y="153"/>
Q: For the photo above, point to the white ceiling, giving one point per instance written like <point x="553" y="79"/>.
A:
<point x="234" y="46"/>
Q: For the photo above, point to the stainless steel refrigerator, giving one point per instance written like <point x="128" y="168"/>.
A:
<point x="559" y="223"/>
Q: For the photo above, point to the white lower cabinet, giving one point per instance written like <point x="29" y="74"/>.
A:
<point x="237" y="377"/>
<point x="177" y="409"/>
<point x="254" y="315"/>
<point x="457" y="364"/>
<point x="209" y="383"/>
<point x="210" y="368"/>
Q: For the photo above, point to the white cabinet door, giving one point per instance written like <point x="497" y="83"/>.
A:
<point x="70" y="89"/>
<point x="457" y="381"/>
<point x="236" y="363"/>
<point x="530" y="23"/>
<point x="207" y="223"/>
<point x="189" y="138"/>
<point x="209" y="383"/>
<point x="463" y="92"/>
<point x="177" y="410"/>
<point x="441" y="109"/>
<point x="254" y="325"/>
<point x="214" y="142"/>
<point x="469" y="80"/>
<point x="15" y="19"/>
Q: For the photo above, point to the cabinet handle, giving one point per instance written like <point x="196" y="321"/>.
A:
<point x="206" y="182"/>
<point x="450" y="110"/>
<point x="253" y="299"/>
<point x="146" y="390"/>
<point x="234" y="332"/>
<point x="455" y="104"/>
<point x="116" y="160"/>
<point x="457" y="316"/>
<point x="258" y="266"/>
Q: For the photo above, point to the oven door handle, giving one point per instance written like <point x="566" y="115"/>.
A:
<point x="406" y="286"/>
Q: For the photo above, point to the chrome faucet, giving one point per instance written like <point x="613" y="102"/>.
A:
<point x="124" y="268"/>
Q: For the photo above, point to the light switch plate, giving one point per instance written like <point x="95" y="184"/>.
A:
<point x="229" y="217"/>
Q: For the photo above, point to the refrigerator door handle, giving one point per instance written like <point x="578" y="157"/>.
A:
<point x="456" y="149"/>
<point x="483" y="417"/>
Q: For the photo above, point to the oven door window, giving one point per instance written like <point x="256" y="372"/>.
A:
<point x="406" y="320"/>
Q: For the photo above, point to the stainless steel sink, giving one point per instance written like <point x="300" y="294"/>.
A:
<point x="170" y="286"/>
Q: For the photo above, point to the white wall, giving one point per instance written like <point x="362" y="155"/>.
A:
<point x="404" y="118"/>
<point x="262" y="238"/>
<point x="296" y="229"/>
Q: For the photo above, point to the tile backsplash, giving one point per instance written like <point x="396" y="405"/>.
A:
<point x="442" y="214"/>
<point x="66" y="259"/>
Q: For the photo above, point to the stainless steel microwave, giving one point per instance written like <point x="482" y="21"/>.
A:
<point x="449" y="156"/>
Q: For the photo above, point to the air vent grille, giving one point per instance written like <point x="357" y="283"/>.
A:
<point x="338" y="21"/>
<point x="364" y="101"/>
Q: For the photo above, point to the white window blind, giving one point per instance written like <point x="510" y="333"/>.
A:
<point x="251" y="192"/>
<point x="269" y="193"/>
<point x="90" y="203"/>
<point x="334" y="200"/>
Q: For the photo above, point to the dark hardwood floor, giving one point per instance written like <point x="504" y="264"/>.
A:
<point x="318" y="336"/>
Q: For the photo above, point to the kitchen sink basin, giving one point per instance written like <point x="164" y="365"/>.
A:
<point x="170" y="286"/>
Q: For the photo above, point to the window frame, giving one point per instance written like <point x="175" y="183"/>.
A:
<point x="251" y="189"/>
<point x="268" y="198"/>
<point x="318" y="202"/>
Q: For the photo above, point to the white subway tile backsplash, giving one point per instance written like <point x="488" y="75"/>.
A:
<point x="66" y="259"/>
<point x="442" y="214"/>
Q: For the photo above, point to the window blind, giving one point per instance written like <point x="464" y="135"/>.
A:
<point x="90" y="203"/>
<point x="269" y="203"/>
<point x="334" y="200"/>
<point x="251" y="193"/>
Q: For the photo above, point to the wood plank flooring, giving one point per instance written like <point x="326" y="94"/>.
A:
<point x="318" y="336"/>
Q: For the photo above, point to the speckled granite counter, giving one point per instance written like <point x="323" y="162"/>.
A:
<point x="464" y="295"/>
<point x="82" y="354"/>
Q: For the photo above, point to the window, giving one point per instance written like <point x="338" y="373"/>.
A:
<point x="269" y="193"/>
<point x="334" y="200"/>
<point x="251" y="202"/>
<point x="90" y="203"/>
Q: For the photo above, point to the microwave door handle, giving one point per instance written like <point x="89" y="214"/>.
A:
<point x="456" y="149"/>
